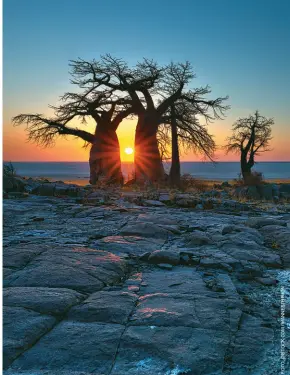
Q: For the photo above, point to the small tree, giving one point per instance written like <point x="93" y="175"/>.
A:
<point x="187" y="131"/>
<point x="251" y="136"/>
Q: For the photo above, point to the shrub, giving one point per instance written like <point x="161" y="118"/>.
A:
<point x="9" y="170"/>
<point x="254" y="179"/>
<point x="187" y="182"/>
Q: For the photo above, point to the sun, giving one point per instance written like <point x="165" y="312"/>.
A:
<point x="129" y="150"/>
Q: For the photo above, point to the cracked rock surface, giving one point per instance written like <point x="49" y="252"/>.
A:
<point x="137" y="290"/>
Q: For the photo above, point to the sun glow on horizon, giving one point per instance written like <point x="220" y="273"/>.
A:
<point x="129" y="150"/>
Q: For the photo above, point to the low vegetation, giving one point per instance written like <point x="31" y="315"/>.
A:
<point x="9" y="170"/>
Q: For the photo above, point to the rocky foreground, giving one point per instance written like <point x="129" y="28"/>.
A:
<point x="116" y="283"/>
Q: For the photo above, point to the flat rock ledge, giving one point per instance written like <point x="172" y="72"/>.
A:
<point x="126" y="287"/>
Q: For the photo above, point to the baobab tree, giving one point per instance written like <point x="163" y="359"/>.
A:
<point x="187" y="131"/>
<point x="135" y="83"/>
<point x="107" y="112"/>
<point x="152" y="90"/>
<point x="170" y="83"/>
<point x="111" y="91"/>
<point x="251" y="136"/>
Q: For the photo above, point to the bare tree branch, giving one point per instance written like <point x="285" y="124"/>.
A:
<point x="44" y="132"/>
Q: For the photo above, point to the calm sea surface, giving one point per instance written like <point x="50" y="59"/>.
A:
<point x="218" y="171"/>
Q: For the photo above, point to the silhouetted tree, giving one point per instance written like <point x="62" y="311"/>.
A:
<point x="111" y="91"/>
<point x="169" y="85"/>
<point x="152" y="90"/>
<point x="107" y="112"/>
<point x="251" y="136"/>
<point x="186" y="130"/>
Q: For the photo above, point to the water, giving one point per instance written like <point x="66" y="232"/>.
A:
<point x="218" y="171"/>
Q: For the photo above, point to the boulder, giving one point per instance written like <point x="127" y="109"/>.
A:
<point x="164" y="198"/>
<point x="153" y="203"/>
<point x="183" y="196"/>
<point x="46" y="189"/>
<point x="271" y="260"/>
<point x="32" y="185"/>
<point x="165" y="266"/>
<point x="144" y="230"/>
<point x="186" y="202"/>
<point x="227" y="229"/>
<point x="198" y="238"/>
<point x="13" y="183"/>
<point x="259" y="222"/>
<point x="266" y="191"/>
<point x="38" y="218"/>
<point x="60" y="190"/>
<point x="164" y="256"/>
<point x="216" y="263"/>
<point x="267" y="281"/>
<point x="250" y="270"/>
<point x="285" y="189"/>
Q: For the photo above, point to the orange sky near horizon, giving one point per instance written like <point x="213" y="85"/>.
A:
<point x="16" y="147"/>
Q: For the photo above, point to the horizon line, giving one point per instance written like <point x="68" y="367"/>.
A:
<point x="131" y="162"/>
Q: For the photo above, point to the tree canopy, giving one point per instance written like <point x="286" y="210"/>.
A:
<point x="108" y="90"/>
<point x="250" y="136"/>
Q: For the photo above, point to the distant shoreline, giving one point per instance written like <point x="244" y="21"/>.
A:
<point x="78" y="172"/>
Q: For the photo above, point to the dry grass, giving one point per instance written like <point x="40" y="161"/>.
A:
<point x="256" y="178"/>
<point x="189" y="183"/>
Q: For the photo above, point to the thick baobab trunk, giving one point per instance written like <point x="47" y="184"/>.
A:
<point x="105" y="162"/>
<point x="148" y="163"/>
<point x="174" y="174"/>
<point x="246" y="169"/>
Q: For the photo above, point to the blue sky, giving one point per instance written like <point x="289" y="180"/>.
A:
<point x="241" y="48"/>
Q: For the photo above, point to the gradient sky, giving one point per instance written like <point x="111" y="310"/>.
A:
<point x="240" y="48"/>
